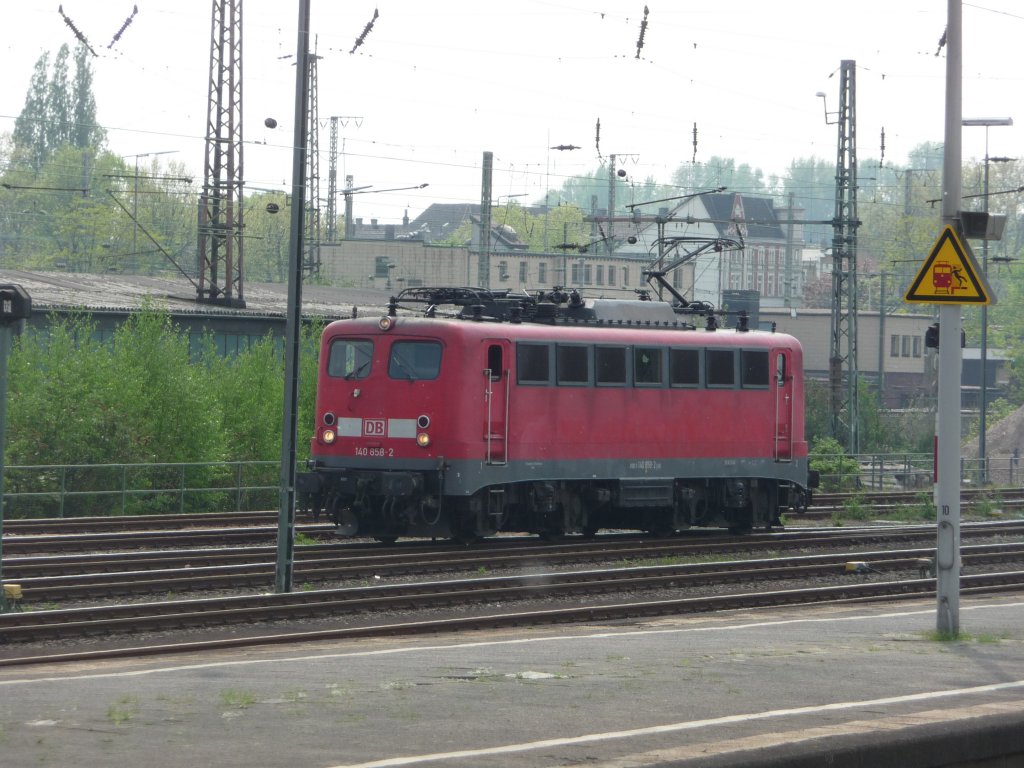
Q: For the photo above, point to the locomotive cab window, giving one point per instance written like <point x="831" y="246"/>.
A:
<point x="754" y="368"/>
<point x="648" y="366"/>
<point x="684" y="367"/>
<point x="721" y="368"/>
<point x="350" y="358"/>
<point x="533" y="363"/>
<point x="573" y="364"/>
<point x="414" y="360"/>
<point x="610" y="366"/>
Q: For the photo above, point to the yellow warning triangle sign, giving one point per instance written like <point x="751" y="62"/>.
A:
<point x="950" y="275"/>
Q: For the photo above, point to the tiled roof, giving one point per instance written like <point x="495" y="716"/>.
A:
<point x="759" y="214"/>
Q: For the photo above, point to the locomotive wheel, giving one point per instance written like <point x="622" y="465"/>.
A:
<point x="462" y="521"/>
<point x="344" y="518"/>
<point x="741" y="523"/>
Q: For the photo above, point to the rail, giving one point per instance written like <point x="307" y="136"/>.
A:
<point x="75" y="490"/>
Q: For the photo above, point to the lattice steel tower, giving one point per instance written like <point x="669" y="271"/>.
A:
<point x="843" y="357"/>
<point x="311" y="219"/>
<point x="332" y="184"/>
<point x="220" y="206"/>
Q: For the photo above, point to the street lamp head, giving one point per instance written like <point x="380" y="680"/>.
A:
<point x="987" y="121"/>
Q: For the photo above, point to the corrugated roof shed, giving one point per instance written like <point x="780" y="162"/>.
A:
<point x="120" y="293"/>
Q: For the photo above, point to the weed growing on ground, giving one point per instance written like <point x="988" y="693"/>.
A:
<point x="123" y="710"/>
<point x="237" y="699"/>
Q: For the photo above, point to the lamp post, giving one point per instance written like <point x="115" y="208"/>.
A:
<point x="366" y="189"/>
<point x="986" y="122"/>
<point x="135" y="197"/>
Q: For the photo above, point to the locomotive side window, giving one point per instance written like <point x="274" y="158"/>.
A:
<point x="721" y="368"/>
<point x="754" y="368"/>
<point x="414" y="360"/>
<point x="648" y="366"/>
<point x="533" y="363"/>
<point x="494" y="364"/>
<point x="610" y="366"/>
<point x="350" y="358"/>
<point x="573" y="364"/>
<point x="780" y="370"/>
<point x="684" y="367"/>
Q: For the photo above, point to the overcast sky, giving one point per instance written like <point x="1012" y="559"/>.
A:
<point x="435" y="84"/>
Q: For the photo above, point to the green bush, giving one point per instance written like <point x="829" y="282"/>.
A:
<point x="838" y="471"/>
<point x="140" y="398"/>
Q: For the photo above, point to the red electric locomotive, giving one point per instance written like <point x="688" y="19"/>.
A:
<point x="552" y="415"/>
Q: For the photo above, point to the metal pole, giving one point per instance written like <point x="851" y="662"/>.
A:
<point x="881" y="340"/>
<point x="5" y="349"/>
<point x="947" y="485"/>
<point x="983" y="402"/>
<point x="135" y="212"/>
<point x="293" y="330"/>
<point x="661" y="251"/>
<point x="983" y="405"/>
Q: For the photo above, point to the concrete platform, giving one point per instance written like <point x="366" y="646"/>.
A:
<point x="851" y="686"/>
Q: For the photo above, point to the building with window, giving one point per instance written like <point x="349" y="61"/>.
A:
<point x="763" y="247"/>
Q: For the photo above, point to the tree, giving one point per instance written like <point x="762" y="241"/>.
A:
<point x="58" y="104"/>
<point x="86" y="132"/>
<point x="266" y="238"/>
<point x="30" y="126"/>
<point x="543" y="233"/>
<point x="57" y="112"/>
<point x="718" y="172"/>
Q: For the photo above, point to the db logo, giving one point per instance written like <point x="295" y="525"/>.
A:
<point x="374" y="427"/>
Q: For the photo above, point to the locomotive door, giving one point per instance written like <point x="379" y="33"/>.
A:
<point x="782" y="385"/>
<point x="496" y="399"/>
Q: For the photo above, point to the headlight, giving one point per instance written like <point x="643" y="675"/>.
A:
<point x="386" y="323"/>
<point x="422" y="439"/>
<point x="328" y="436"/>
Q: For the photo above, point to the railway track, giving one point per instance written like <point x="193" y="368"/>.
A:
<point x="49" y="579"/>
<point x="305" y="606"/>
<point x="84" y="533"/>
<point x="46" y="579"/>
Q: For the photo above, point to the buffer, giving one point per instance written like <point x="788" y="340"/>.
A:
<point x="950" y="275"/>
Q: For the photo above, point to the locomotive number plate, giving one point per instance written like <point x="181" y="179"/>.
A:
<point x="379" y="452"/>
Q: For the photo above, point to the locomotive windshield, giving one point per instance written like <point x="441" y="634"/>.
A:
<point x="415" y="360"/>
<point x="350" y="358"/>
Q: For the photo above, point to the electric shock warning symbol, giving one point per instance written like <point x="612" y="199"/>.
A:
<point x="950" y="275"/>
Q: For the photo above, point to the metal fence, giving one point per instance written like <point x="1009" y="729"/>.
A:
<point x="916" y="471"/>
<point x="76" y="490"/>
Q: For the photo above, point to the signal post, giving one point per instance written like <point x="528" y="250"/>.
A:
<point x="950" y="278"/>
<point x="15" y="306"/>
